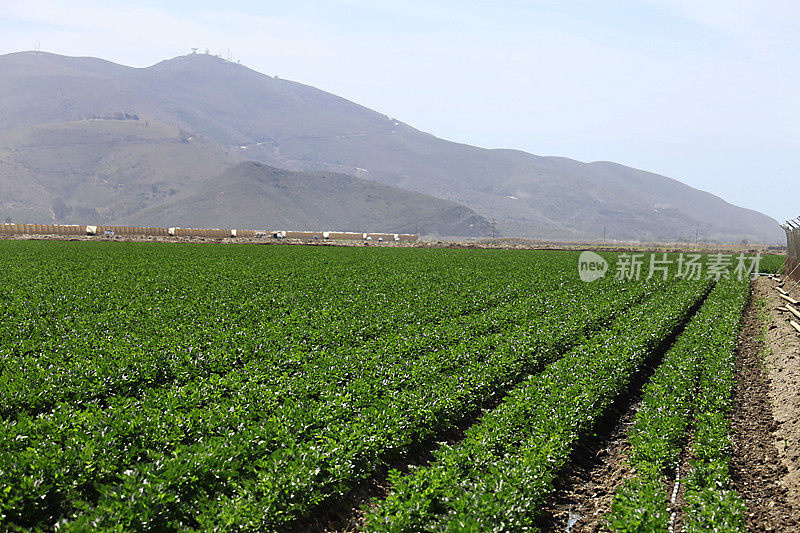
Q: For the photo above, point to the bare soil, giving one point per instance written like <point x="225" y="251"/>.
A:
<point x="585" y="490"/>
<point x="765" y="427"/>
<point x="783" y="369"/>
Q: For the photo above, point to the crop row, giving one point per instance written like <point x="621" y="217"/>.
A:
<point x="310" y="440"/>
<point x="260" y="382"/>
<point x="209" y="320"/>
<point x="712" y="504"/>
<point x="690" y="390"/>
<point x="497" y="478"/>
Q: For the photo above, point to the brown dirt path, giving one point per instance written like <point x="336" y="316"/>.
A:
<point x="783" y="368"/>
<point x="765" y="466"/>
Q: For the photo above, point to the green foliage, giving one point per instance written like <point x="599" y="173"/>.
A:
<point x="240" y="388"/>
<point x="640" y="506"/>
<point x="772" y="263"/>
<point x="499" y="475"/>
<point x="171" y="387"/>
<point x="712" y="503"/>
<point x="693" y="385"/>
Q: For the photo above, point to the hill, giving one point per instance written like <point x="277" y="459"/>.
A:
<point x="133" y="172"/>
<point x="256" y="196"/>
<point x="100" y="170"/>
<point x="289" y="125"/>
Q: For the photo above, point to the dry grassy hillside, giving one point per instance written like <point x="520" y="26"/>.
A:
<point x="293" y="126"/>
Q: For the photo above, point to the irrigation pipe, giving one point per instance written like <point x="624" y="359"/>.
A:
<point x="674" y="510"/>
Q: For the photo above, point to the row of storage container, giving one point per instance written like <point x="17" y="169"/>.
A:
<point x="41" y="229"/>
<point x="53" y="229"/>
<point x="345" y="236"/>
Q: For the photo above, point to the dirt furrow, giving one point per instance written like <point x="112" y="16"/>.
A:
<point x="585" y="489"/>
<point x="763" y="451"/>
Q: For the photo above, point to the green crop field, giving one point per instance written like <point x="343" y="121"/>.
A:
<point x="251" y="388"/>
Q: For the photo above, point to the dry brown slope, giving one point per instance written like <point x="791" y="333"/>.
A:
<point x="256" y="196"/>
<point x="290" y="125"/>
<point x="97" y="170"/>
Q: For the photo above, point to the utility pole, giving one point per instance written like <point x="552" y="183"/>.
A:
<point x="494" y="228"/>
<point x="697" y="236"/>
<point x="604" y="234"/>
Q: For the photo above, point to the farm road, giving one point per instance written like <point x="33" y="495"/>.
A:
<point x="766" y="418"/>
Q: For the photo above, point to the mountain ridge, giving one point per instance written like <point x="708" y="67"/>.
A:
<point x="129" y="172"/>
<point x="290" y="125"/>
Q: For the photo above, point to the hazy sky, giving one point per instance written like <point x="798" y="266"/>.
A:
<point x="704" y="91"/>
